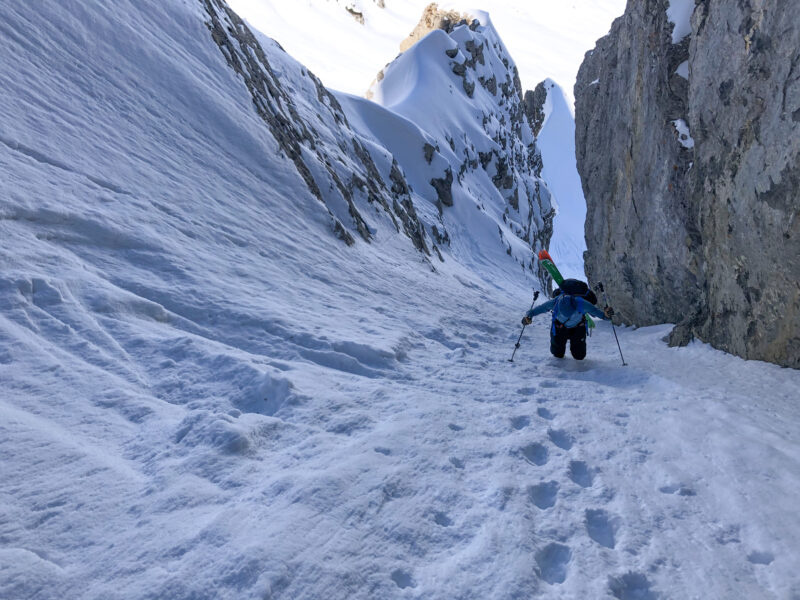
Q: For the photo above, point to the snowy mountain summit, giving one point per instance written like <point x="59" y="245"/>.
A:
<point x="457" y="83"/>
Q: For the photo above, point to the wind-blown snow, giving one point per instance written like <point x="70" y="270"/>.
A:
<point x="205" y="394"/>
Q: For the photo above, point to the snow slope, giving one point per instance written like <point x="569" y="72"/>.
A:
<point x="556" y="142"/>
<point x="205" y="394"/>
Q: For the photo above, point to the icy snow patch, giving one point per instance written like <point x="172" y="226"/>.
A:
<point x="683" y="69"/>
<point x="684" y="136"/>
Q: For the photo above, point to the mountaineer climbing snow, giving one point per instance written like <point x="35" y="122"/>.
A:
<point x="570" y="304"/>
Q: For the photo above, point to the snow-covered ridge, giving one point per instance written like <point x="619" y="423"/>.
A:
<point x="349" y="169"/>
<point x="461" y="88"/>
<point x="312" y="131"/>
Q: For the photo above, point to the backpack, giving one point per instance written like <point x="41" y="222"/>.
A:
<point x="576" y="287"/>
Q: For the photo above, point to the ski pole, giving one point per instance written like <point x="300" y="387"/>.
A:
<point x="516" y="346"/>
<point x="600" y="287"/>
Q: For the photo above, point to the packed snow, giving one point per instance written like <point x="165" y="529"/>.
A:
<point x="683" y="133"/>
<point x="206" y="394"/>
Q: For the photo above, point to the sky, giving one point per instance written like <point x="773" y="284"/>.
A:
<point x="545" y="39"/>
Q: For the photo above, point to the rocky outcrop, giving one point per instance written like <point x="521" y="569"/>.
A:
<point x="534" y="107"/>
<point x="689" y="154"/>
<point x="434" y="18"/>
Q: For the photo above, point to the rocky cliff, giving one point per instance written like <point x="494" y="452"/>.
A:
<point x="688" y="146"/>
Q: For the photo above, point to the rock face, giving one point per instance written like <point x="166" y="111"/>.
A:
<point x="689" y="155"/>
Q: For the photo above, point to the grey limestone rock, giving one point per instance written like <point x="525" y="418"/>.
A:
<point x="434" y="18"/>
<point x="692" y="184"/>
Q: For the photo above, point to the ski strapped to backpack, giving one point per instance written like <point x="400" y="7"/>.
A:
<point x="573" y="287"/>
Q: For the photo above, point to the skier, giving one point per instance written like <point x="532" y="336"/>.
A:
<point x="570" y="304"/>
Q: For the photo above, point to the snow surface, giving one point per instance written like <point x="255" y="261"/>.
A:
<point x="206" y="395"/>
<point x="679" y="13"/>
<point x="547" y="39"/>
<point x="557" y="143"/>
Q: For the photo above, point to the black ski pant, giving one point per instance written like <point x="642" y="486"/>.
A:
<point x="576" y="337"/>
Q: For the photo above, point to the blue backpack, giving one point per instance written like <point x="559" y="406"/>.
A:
<point x="575" y="292"/>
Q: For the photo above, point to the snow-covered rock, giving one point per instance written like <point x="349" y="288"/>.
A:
<point x="477" y="160"/>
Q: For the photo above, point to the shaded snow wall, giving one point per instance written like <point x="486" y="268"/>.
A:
<point x="312" y="130"/>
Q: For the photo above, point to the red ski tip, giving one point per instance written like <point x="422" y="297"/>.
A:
<point x="544" y="255"/>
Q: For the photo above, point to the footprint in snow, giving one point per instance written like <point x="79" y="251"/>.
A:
<point x="548" y="384"/>
<point x="382" y="450"/>
<point x="455" y="427"/>
<point x="601" y="527"/>
<point x="760" y="558"/>
<point x="561" y="438"/>
<point x="403" y="579"/>
<point x="580" y="473"/>
<point x="520" y="422"/>
<point x="442" y="519"/>
<point x="544" y="494"/>
<point x="631" y="586"/>
<point x="535" y="453"/>
<point x="544" y="413"/>
<point x="552" y="562"/>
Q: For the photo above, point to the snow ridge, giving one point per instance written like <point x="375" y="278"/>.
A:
<point x="461" y="88"/>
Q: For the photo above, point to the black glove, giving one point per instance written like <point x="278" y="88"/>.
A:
<point x="608" y="311"/>
<point x="526" y="320"/>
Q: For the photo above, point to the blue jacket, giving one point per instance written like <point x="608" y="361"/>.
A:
<point x="568" y="310"/>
